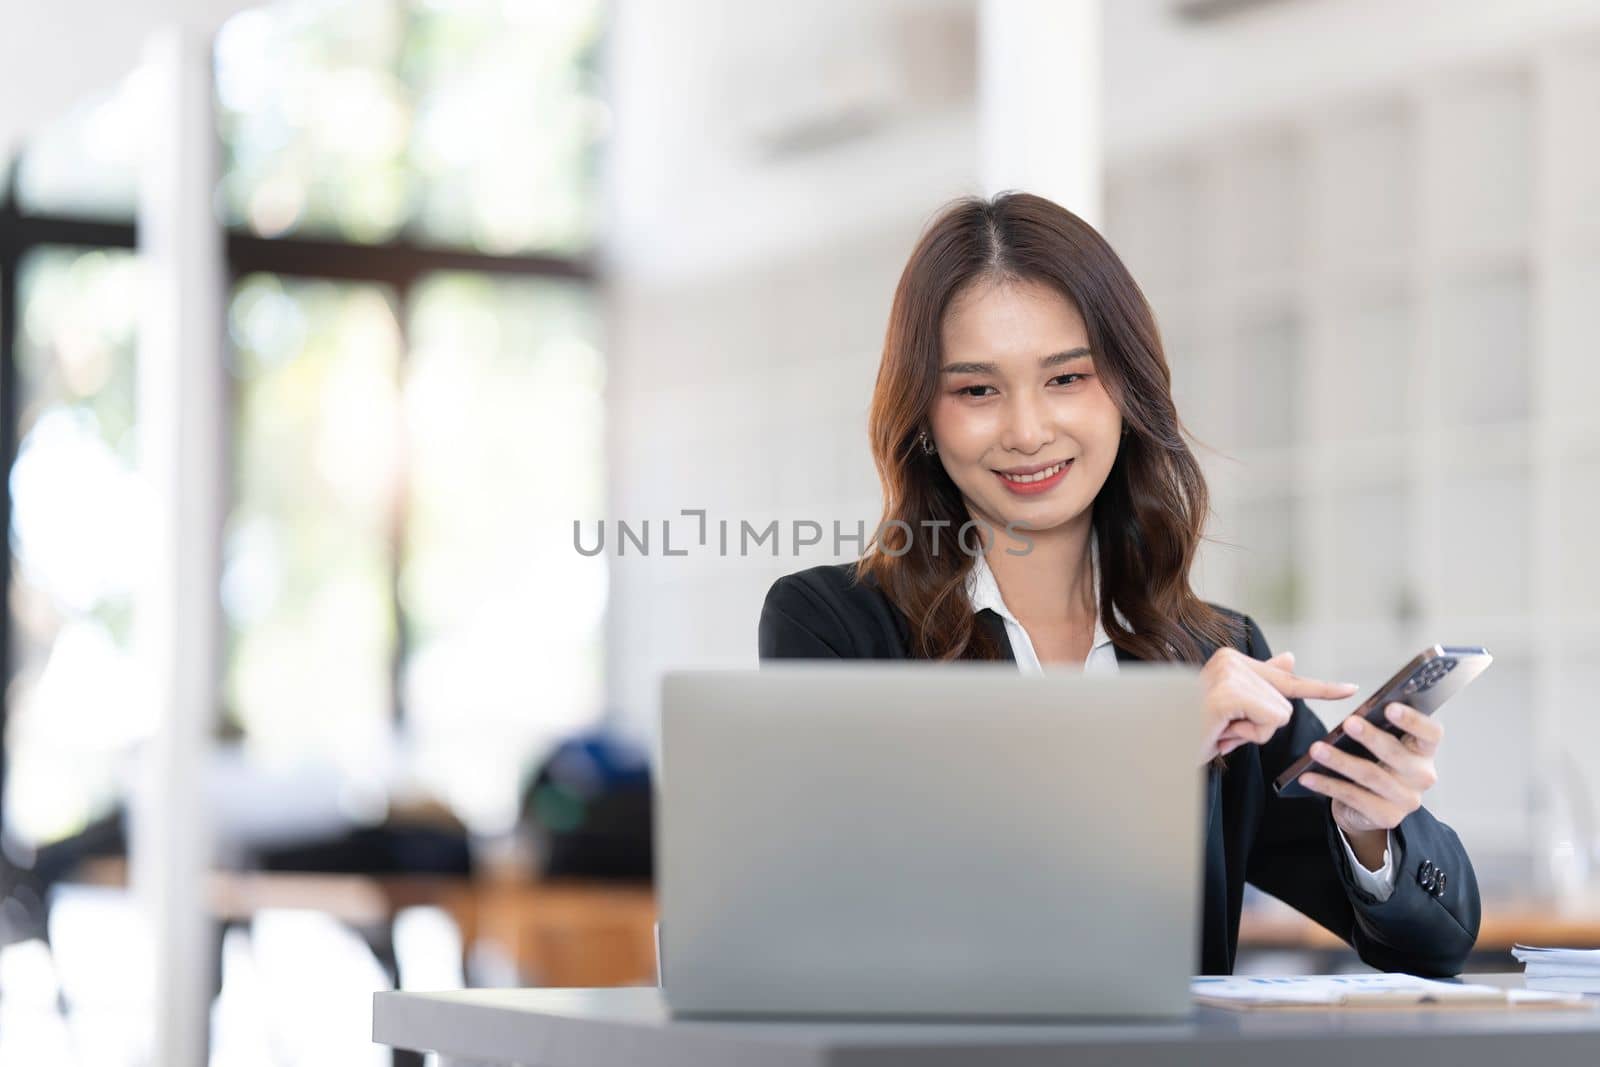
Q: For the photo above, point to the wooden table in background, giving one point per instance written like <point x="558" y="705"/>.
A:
<point x="593" y="934"/>
<point x="558" y="933"/>
<point x="1505" y="923"/>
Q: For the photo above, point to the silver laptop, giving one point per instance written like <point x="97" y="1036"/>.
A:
<point x="914" y="839"/>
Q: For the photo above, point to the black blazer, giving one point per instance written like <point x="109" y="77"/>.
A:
<point x="1287" y="847"/>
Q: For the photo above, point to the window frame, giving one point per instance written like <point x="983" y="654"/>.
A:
<point x="400" y="264"/>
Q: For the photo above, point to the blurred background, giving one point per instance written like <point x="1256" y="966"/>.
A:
<point x="494" y="274"/>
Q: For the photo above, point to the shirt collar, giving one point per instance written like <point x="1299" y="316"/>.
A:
<point x="984" y="592"/>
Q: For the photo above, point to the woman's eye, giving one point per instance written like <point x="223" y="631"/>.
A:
<point x="967" y="390"/>
<point x="1059" y="377"/>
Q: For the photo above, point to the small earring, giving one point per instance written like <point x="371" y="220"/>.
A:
<point x="928" y="447"/>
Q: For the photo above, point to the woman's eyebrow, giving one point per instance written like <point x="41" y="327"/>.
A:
<point x="992" y="368"/>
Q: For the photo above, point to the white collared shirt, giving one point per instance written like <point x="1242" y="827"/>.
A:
<point x="984" y="592"/>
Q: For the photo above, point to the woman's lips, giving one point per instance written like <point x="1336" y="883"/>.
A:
<point x="1044" y="484"/>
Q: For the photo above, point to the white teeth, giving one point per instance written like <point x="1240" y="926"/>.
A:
<point x="1037" y="476"/>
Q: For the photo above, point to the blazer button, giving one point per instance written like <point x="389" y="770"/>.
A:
<point x="1439" y="885"/>
<point x="1426" y="868"/>
<point x="1425" y="878"/>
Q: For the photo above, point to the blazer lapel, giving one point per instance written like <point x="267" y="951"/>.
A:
<point x="995" y="626"/>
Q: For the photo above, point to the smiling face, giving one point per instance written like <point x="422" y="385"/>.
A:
<point x="1019" y="396"/>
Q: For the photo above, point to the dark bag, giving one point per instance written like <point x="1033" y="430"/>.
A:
<point x="588" y="810"/>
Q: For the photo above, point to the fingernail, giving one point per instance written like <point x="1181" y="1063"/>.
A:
<point x="1319" y="750"/>
<point x="1355" y="726"/>
<point x="1394" y="711"/>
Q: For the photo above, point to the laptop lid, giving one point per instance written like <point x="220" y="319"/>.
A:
<point x="929" y="839"/>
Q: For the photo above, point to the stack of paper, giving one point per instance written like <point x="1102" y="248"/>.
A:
<point x="1362" y="991"/>
<point x="1568" y="970"/>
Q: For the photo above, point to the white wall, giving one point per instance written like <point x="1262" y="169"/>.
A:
<point x="751" y="282"/>
<point x="717" y="101"/>
<point x="743" y="394"/>
<point x="1168" y="80"/>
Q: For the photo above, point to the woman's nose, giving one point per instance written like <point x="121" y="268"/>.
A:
<point x="1027" y="426"/>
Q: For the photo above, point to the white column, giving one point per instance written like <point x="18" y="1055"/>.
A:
<point x="181" y="450"/>
<point x="1039" y="67"/>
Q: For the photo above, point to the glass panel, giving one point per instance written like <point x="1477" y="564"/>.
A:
<point x="1193" y="372"/>
<point x="1268" y="371"/>
<point x="503" y="402"/>
<point x="1578" y="681"/>
<point x="315" y="119"/>
<point x="1579" y="503"/>
<point x="86" y="164"/>
<point x="1574" y="284"/>
<point x="1266" y="195"/>
<point x="74" y="535"/>
<point x="1484" y="561"/>
<point x="1268" y="562"/>
<point x="508" y="119"/>
<point x="307" y="559"/>
<point x="1485" y="136"/>
<point x="1370" y="542"/>
<point x="476" y="121"/>
<point x="1153" y="214"/>
<point x="1365" y="201"/>
<point x="1486" y="349"/>
<point x="1366" y="379"/>
<point x="1574" y="93"/>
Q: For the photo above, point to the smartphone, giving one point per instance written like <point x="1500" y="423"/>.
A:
<point x="1432" y="677"/>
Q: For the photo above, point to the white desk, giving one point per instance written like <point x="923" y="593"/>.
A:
<point x="630" y="1028"/>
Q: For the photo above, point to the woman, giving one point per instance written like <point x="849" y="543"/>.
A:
<point x="1041" y="505"/>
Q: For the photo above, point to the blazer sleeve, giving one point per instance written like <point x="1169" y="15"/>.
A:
<point x="798" y="622"/>
<point x="1298" y="857"/>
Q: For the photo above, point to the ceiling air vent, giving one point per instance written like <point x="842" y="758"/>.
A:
<point x="1217" y="10"/>
<point x="903" y="62"/>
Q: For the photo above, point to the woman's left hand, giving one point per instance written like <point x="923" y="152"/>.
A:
<point x="1378" y="795"/>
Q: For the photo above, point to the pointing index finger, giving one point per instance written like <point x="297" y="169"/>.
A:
<point x="1293" y="685"/>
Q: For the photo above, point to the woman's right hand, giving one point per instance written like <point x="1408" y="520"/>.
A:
<point x="1247" y="700"/>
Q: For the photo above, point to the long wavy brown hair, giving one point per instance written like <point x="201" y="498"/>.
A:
<point x="1149" y="516"/>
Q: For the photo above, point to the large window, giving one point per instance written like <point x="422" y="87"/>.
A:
<point x="502" y="409"/>
<point x="75" y="552"/>
<point x="308" y="553"/>
<point x="416" y="374"/>
<point x="471" y="123"/>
